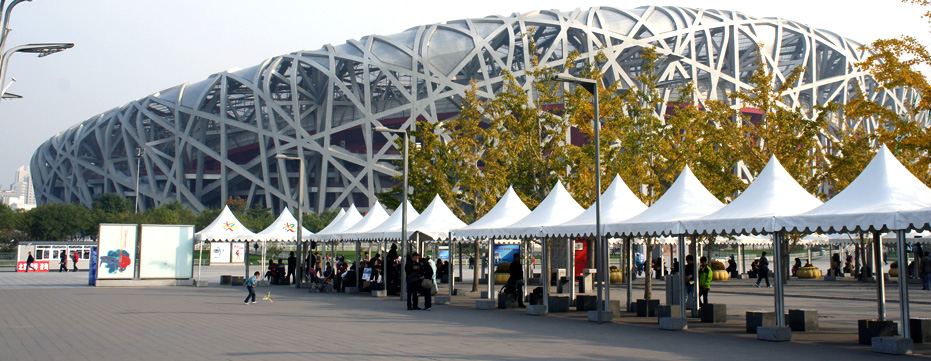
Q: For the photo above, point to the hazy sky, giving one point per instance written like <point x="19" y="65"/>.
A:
<point x="128" y="49"/>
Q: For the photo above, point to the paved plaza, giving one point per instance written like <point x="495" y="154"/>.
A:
<point x="50" y="316"/>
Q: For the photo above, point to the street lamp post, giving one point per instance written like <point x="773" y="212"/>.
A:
<point x="42" y="49"/>
<point x="602" y="264"/>
<point x="5" y="31"/>
<point x="300" y="218"/>
<point x="139" y="153"/>
<point x="403" y="212"/>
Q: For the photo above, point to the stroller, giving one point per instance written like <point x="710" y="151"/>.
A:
<point x="321" y="284"/>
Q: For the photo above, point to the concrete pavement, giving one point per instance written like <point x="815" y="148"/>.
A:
<point x="57" y="319"/>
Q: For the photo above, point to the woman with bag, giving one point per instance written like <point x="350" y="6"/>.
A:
<point x="427" y="285"/>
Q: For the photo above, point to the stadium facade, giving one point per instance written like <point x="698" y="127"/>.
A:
<point x="200" y="143"/>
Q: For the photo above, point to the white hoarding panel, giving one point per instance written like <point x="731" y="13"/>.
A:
<point x="116" y="251"/>
<point x="239" y="252"/>
<point x="167" y="251"/>
<point x="219" y="252"/>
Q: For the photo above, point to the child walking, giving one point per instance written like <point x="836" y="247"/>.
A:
<point x="250" y="285"/>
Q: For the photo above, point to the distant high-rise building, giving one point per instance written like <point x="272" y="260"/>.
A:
<point x="20" y="195"/>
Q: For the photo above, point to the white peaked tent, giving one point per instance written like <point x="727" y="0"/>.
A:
<point x="558" y="207"/>
<point x="620" y="204"/>
<point x="341" y="214"/>
<point x="225" y="228"/>
<point x="869" y="203"/>
<point x="873" y="202"/>
<point x="773" y="193"/>
<point x="508" y="210"/>
<point x="435" y="222"/>
<point x="686" y="199"/>
<point x="391" y="225"/>
<point x="340" y="224"/>
<point x="283" y="229"/>
<point x="376" y="216"/>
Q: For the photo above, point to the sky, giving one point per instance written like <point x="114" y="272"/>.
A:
<point x="128" y="49"/>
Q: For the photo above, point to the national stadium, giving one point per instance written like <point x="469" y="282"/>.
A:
<point x="200" y="143"/>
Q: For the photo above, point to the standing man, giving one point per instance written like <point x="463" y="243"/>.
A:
<point x="472" y="262"/>
<point x="704" y="281"/>
<point x="689" y="280"/>
<point x="413" y="280"/>
<point x="763" y="271"/>
<point x="75" y="256"/>
<point x="292" y="265"/>
<point x="925" y="272"/>
<point x="29" y="262"/>
<point x="516" y="279"/>
<point x="63" y="265"/>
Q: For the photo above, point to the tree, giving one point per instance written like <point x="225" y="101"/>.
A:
<point x="314" y="222"/>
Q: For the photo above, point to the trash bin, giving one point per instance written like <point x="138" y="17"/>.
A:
<point x="588" y="277"/>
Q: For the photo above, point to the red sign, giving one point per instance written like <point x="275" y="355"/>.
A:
<point x="37" y="266"/>
<point x="581" y="255"/>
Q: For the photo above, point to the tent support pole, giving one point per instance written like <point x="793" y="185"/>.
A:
<point x="628" y="251"/>
<point x="779" y="275"/>
<point x="570" y="273"/>
<point x="681" y="250"/>
<point x="903" y="282"/>
<point x="545" y="276"/>
<point x="878" y="273"/>
<point x="246" y="260"/>
<point x="450" y="269"/>
<point x="491" y="269"/>
<point x="200" y="260"/>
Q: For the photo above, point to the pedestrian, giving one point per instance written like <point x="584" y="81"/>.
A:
<point x="471" y="262"/>
<point x="414" y="278"/>
<point x="427" y="283"/>
<point x="689" y="279"/>
<point x="516" y="279"/>
<point x="75" y="256"/>
<point x="29" y="261"/>
<point x="704" y="281"/>
<point x="63" y="265"/>
<point x="292" y="265"/>
<point x="926" y="272"/>
<point x="250" y="285"/>
<point x="763" y="271"/>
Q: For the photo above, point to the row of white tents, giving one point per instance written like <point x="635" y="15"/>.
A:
<point x="884" y="197"/>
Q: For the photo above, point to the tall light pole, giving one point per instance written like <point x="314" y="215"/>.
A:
<point x="5" y="31"/>
<point x="139" y="153"/>
<point x="42" y="49"/>
<point x="403" y="212"/>
<point x="300" y="217"/>
<point x="602" y="265"/>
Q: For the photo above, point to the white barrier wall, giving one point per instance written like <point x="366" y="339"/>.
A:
<point x="167" y="251"/>
<point x="117" y="251"/>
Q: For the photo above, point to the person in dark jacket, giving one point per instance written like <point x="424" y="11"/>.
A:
<point x="392" y="278"/>
<point x="763" y="271"/>
<point x="292" y="265"/>
<point x="64" y="262"/>
<point x="732" y="267"/>
<point x="516" y="279"/>
<point x="689" y="273"/>
<point x="926" y="272"/>
<point x="426" y="273"/>
<point x="414" y="277"/>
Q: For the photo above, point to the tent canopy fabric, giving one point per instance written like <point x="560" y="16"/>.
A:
<point x="508" y="210"/>
<point x="392" y="224"/>
<point x="620" y="204"/>
<point x="376" y="216"/>
<point x="225" y="228"/>
<point x="773" y="193"/>
<point x="558" y="207"/>
<point x="339" y="225"/>
<point x="434" y="222"/>
<point x="916" y="219"/>
<point x="870" y="203"/>
<point x="341" y="214"/>
<point x="283" y="229"/>
<point x="686" y="199"/>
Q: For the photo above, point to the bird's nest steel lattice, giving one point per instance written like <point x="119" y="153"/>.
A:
<point x="206" y="141"/>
